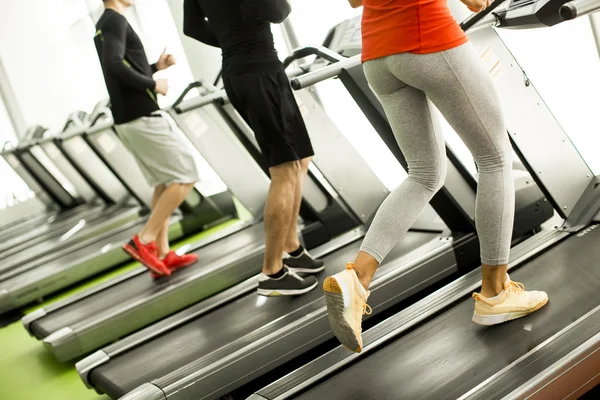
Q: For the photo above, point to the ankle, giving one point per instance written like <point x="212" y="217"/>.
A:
<point x="294" y="250"/>
<point x="272" y="270"/>
<point x="493" y="278"/>
<point x="363" y="277"/>
<point x="291" y="244"/>
<point x="491" y="291"/>
<point x="145" y="238"/>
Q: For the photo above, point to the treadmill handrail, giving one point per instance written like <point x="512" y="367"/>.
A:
<point x="76" y="119"/>
<point x="189" y="88"/>
<point x="468" y="23"/>
<point x="103" y="114"/>
<point x="578" y="8"/>
<point x="325" y="73"/>
<point x="319" y="51"/>
<point x="8" y="145"/>
<point x="217" y="97"/>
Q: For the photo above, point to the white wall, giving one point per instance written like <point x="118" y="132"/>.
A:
<point x="204" y="60"/>
<point x="49" y="58"/>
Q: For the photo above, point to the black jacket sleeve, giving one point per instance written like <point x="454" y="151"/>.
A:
<point x="113" y="57"/>
<point x="195" y="24"/>
<point x="274" y="11"/>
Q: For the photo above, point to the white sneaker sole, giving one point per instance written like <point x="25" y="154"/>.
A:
<point x="334" y="298"/>
<point x="495" y="319"/>
<point x="285" y="292"/>
<point x="308" y="270"/>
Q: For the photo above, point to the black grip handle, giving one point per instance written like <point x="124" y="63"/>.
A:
<point x="475" y="18"/>
<point x="77" y="118"/>
<point x="8" y="145"/>
<point x="99" y="115"/>
<point x="191" y="86"/>
<point x="36" y="132"/>
<point x="318" y="51"/>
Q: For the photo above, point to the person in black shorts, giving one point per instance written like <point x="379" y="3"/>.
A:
<point x="258" y="88"/>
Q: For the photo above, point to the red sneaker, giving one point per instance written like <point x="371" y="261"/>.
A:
<point x="147" y="255"/>
<point x="175" y="262"/>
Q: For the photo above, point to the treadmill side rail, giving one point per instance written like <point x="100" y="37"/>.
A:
<point x="89" y="363"/>
<point x="31" y="317"/>
<point x="6" y="301"/>
<point x="569" y="347"/>
<point x="145" y="392"/>
<point x="63" y="343"/>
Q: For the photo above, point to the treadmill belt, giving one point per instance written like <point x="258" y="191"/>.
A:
<point x="32" y="231"/>
<point x="136" y="288"/>
<point x="449" y="355"/>
<point x="205" y="334"/>
<point x="85" y="228"/>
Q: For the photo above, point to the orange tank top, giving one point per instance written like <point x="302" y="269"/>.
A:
<point x="408" y="26"/>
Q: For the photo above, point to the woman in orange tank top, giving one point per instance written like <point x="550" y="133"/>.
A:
<point x="416" y="54"/>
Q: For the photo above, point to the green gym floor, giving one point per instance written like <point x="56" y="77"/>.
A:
<point x="29" y="372"/>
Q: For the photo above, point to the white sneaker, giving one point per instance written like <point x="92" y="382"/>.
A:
<point x="514" y="302"/>
<point x="346" y="302"/>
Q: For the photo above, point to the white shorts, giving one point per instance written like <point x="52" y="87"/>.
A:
<point x="160" y="149"/>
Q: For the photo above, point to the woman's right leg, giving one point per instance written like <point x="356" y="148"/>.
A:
<point x="459" y="85"/>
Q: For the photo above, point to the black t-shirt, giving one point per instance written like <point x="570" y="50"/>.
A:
<point x="127" y="74"/>
<point x="241" y="28"/>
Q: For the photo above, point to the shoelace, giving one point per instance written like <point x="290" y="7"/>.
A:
<point x="367" y="310"/>
<point x="293" y="273"/>
<point x="515" y="287"/>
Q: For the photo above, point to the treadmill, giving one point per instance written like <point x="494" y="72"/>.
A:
<point x="21" y="206"/>
<point x="431" y="350"/>
<point x="111" y="167"/>
<point x="93" y="211"/>
<point x="64" y="207"/>
<point x="221" y="344"/>
<point x="23" y="214"/>
<point x="76" y="326"/>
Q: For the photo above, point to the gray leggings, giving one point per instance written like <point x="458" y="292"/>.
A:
<point x="458" y="84"/>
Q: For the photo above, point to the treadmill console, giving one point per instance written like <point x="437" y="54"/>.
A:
<point x="345" y="38"/>
<point x="524" y="14"/>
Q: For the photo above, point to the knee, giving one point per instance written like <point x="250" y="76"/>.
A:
<point x="495" y="161"/>
<point x="184" y="187"/>
<point x="286" y="172"/>
<point x="304" y="163"/>
<point x="431" y="177"/>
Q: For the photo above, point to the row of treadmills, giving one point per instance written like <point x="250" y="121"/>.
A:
<point x="203" y="333"/>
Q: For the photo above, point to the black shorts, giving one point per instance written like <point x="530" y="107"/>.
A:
<point x="266" y="102"/>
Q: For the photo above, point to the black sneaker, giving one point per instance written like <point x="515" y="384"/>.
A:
<point x="304" y="263"/>
<point x="290" y="284"/>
